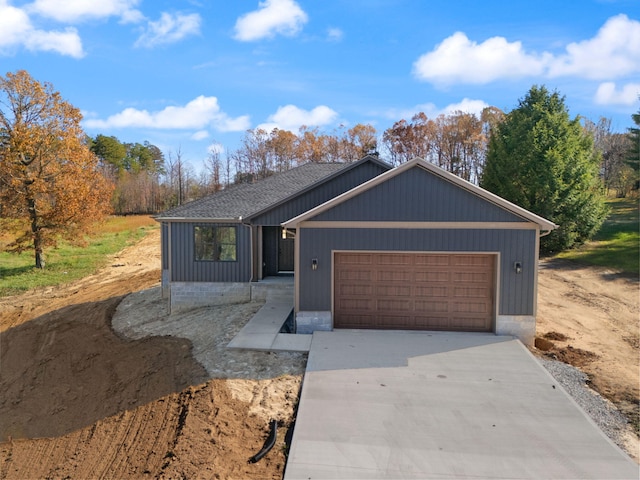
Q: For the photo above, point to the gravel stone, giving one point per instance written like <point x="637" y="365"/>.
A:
<point x="601" y="410"/>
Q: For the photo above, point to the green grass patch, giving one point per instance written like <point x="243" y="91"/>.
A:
<point x="68" y="262"/>
<point x="617" y="244"/>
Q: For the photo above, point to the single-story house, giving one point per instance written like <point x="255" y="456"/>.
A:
<point x="408" y="248"/>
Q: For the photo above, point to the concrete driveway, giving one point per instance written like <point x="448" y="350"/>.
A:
<point x="409" y="405"/>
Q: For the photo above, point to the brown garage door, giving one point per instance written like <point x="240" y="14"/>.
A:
<point x="414" y="291"/>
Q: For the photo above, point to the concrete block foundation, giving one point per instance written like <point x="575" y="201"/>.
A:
<point x="189" y="295"/>
<point x="309" y="322"/>
<point x="522" y="327"/>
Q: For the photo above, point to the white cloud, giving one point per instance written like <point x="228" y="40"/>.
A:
<point x="292" y="118"/>
<point x="199" y="113"/>
<point x="334" y="34"/>
<point x="459" y="60"/>
<point x="65" y="43"/>
<point x="215" y="148"/>
<point x="466" y="105"/>
<point x="612" y="53"/>
<point x="74" y="11"/>
<point x="273" y="17"/>
<point x="169" y="29"/>
<point x="237" y="124"/>
<point x="607" y="94"/>
<point x="200" y="135"/>
<point x="16" y="30"/>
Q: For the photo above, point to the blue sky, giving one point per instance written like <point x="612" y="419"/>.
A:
<point x="193" y="75"/>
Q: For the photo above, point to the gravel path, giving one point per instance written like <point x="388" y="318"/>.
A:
<point x="601" y="411"/>
<point x="145" y="314"/>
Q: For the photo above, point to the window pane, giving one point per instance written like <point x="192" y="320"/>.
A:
<point x="215" y="243"/>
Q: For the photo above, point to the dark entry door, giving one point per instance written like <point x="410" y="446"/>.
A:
<point x="286" y="247"/>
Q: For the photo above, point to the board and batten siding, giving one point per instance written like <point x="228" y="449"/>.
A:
<point x="516" y="291"/>
<point x="417" y="195"/>
<point x="346" y="180"/>
<point x="164" y="240"/>
<point x="184" y="267"/>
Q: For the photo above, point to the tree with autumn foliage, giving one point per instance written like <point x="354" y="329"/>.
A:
<point x="49" y="179"/>
<point x="456" y="142"/>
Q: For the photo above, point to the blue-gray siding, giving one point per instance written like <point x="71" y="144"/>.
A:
<point x="516" y="290"/>
<point x="343" y="182"/>
<point x="417" y="195"/>
<point x="184" y="267"/>
<point x="164" y="239"/>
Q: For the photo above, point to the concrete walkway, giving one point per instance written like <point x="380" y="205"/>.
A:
<point x="440" y="406"/>
<point x="262" y="332"/>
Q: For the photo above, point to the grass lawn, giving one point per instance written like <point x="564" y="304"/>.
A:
<point x="617" y="244"/>
<point x="67" y="262"/>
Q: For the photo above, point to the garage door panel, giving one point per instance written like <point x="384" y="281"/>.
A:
<point x="350" y="304"/>
<point x="393" y="291"/>
<point x="471" y="307"/>
<point x="355" y="275"/>
<point x="470" y="292"/>
<point x="414" y="291"/>
<point x="348" y="289"/>
<point x="357" y="258"/>
<point x="398" y="322"/>
<point x="432" y="322"/>
<point x="358" y="321"/>
<point x="468" y="324"/>
<point x="432" y="260"/>
<point x="394" y="305"/>
<point x="462" y="260"/>
<point x="393" y="259"/>
<point x="431" y="292"/>
<point x="427" y="276"/>
<point x="433" y="306"/>
<point x="394" y="276"/>
<point x="471" y="277"/>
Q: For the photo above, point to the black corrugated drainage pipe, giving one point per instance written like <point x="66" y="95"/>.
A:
<point x="268" y="444"/>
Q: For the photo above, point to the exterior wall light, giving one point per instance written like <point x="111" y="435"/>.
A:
<point x="517" y="267"/>
<point x="314" y="264"/>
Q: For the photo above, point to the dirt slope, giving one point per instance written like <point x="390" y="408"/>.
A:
<point x="590" y="317"/>
<point x="112" y="407"/>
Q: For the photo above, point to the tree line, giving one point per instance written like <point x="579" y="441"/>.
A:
<point x="57" y="180"/>
<point x="147" y="181"/>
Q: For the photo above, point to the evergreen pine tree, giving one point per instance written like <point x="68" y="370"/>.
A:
<point x="542" y="160"/>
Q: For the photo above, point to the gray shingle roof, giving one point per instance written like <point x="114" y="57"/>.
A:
<point x="247" y="199"/>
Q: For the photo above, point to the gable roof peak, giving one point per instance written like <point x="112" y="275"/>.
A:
<point x="418" y="162"/>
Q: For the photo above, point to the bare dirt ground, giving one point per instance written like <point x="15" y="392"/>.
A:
<point x="590" y="317"/>
<point x="87" y="393"/>
<point x="80" y="400"/>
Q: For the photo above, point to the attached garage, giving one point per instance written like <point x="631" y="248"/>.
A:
<point x="414" y="291"/>
<point x="417" y="248"/>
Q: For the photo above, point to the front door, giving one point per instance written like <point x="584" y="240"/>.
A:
<point x="286" y="247"/>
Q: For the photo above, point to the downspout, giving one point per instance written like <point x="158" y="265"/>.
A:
<point x="250" y="247"/>
<point x="169" y="261"/>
